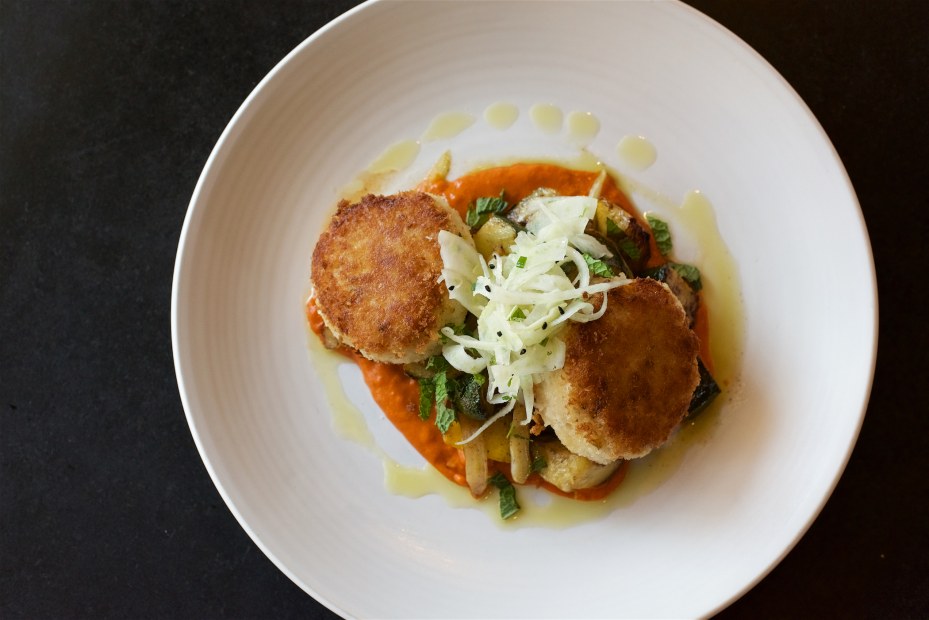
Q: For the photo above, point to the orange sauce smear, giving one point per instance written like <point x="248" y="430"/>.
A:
<point x="397" y="394"/>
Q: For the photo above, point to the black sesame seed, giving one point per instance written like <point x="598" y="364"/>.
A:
<point x="487" y="287"/>
<point x="523" y="352"/>
<point x="545" y="325"/>
<point x="499" y="334"/>
<point x="560" y="309"/>
<point x="452" y="287"/>
<point x="491" y="265"/>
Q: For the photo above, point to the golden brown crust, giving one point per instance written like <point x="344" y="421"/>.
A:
<point x="375" y="275"/>
<point x="628" y="377"/>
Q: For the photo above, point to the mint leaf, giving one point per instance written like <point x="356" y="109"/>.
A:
<point x="467" y="397"/>
<point x="628" y="247"/>
<point x="662" y="234"/>
<point x="689" y="273"/>
<point x="444" y="415"/>
<point x="598" y="267"/>
<point x="481" y="209"/>
<point x="426" y="397"/>
<point x="508" y="504"/>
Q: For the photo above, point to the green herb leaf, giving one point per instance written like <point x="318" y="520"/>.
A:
<point x="517" y="314"/>
<point x="482" y="208"/>
<point x="598" y="267"/>
<point x="662" y="234"/>
<point x="628" y="247"/>
<point x="521" y="262"/>
<point x="508" y="504"/>
<point x="612" y="228"/>
<point x="426" y="397"/>
<point x="444" y="415"/>
<point x="689" y="273"/>
<point x="437" y="363"/>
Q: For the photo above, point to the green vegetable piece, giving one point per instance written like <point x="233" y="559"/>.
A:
<point x="426" y="397"/>
<point x="437" y="363"/>
<point x="598" y="267"/>
<point x="468" y="397"/>
<point x="444" y="414"/>
<point x="508" y="504"/>
<point x="628" y="247"/>
<point x="662" y="234"/>
<point x="612" y="228"/>
<point x="482" y="208"/>
<point x="521" y="262"/>
<point x="690" y="273"/>
<point x="517" y="314"/>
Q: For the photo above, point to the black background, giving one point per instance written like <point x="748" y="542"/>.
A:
<point x="108" y="111"/>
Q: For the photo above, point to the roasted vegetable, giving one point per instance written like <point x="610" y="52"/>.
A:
<point x="705" y="392"/>
<point x="523" y="212"/>
<point x="568" y="471"/>
<point x="628" y="235"/>
<point x="495" y="236"/>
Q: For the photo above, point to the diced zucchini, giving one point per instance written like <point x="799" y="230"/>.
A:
<point x="495" y="237"/>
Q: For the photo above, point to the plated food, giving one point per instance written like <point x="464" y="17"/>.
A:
<point x="522" y="324"/>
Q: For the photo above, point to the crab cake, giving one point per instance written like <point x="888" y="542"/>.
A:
<point x="628" y="377"/>
<point x="376" y="275"/>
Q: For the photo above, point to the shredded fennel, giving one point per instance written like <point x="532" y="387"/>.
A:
<point x="523" y="299"/>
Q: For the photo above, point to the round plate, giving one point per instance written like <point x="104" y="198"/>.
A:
<point x="723" y="122"/>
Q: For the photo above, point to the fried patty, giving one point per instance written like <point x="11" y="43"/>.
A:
<point x="628" y="377"/>
<point x="375" y="275"/>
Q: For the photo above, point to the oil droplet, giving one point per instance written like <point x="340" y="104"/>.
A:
<point x="447" y="125"/>
<point x="396" y="157"/>
<point x="501" y="115"/>
<point x="583" y="127"/>
<point x="637" y="152"/>
<point x="546" y="117"/>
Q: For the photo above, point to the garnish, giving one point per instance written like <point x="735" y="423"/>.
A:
<point x="538" y="464"/>
<point x="444" y="414"/>
<point x="662" y="234"/>
<point x="483" y="208"/>
<point x="598" y="267"/>
<point x="690" y="273"/>
<point x="524" y="302"/>
<point x="426" y="397"/>
<point x="508" y="504"/>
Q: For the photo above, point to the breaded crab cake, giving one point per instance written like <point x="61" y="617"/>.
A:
<point x="628" y="377"/>
<point x="376" y="271"/>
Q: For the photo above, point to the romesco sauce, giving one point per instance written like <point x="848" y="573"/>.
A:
<point x="397" y="394"/>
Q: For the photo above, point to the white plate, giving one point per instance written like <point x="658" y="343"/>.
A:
<point x="722" y="120"/>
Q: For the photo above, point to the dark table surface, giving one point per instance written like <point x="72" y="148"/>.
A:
<point x="108" y="111"/>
